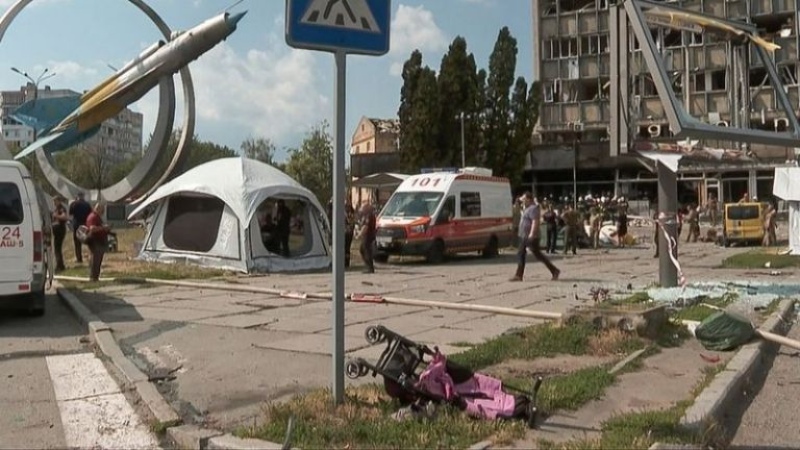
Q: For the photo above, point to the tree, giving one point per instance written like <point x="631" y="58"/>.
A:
<point x="522" y="123"/>
<point x="405" y="113"/>
<point x="260" y="149"/>
<point x="458" y="90"/>
<point x="502" y="65"/>
<point x="420" y="133"/>
<point x="312" y="164"/>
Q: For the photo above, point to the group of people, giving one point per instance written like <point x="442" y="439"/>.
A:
<point x="72" y="217"/>
<point x="362" y="226"/>
<point x="591" y="212"/>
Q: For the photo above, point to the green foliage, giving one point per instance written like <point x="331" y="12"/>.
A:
<point x="458" y="91"/>
<point x="260" y="149"/>
<point x="500" y="111"/>
<point x="312" y="164"/>
<point x="757" y="259"/>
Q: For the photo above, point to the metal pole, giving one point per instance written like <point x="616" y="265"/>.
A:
<point x="668" y="209"/>
<point x="338" y="226"/>
<point x="575" y="174"/>
<point x="463" y="155"/>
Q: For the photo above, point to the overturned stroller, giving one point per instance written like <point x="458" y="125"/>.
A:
<point x="417" y="383"/>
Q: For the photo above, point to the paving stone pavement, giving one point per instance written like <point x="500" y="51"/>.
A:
<point x="231" y="352"/>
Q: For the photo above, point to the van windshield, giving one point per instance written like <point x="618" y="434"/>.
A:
<point x="10" y="204"/>
<point x="412" y="204"/>
<point x="743" y="212"/>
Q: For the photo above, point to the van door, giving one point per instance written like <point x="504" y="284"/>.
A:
<point x="16" y="232"/>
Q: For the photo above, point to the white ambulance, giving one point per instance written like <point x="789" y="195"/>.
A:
<point x="25" y="231"/>
<point x="443" y="213"/>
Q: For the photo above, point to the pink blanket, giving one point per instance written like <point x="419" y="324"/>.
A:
<point x="483" y="395"/>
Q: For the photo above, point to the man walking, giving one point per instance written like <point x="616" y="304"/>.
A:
<point x="529" y="238"/>
<point x="79" y="211"/>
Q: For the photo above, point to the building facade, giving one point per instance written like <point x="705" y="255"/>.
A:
<point x="119" y="138"/>
<point x="573" y="61"/>
<point x="373" y="149"/>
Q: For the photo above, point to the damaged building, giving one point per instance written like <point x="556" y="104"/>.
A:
<point x="574" y="63"/>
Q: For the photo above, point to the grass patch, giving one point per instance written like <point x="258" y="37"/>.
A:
<point x="772" y="308"/>
<point x="672" y="335"/>
<point x="569" y="391"/>
<point x="756" y="259"/>
<point x="123" y="263"/>
<point x="364" y="421"/>
<point x="543" y="341"/>
<point x="643" y="429"/>
<point x="700" y="311"/>
<point x="636" y="298"/>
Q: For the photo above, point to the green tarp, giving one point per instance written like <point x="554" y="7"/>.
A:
<point x="724" y="331"/>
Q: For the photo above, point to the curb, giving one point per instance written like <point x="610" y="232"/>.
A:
<point x="184" y="436"/>
<point x="103" y="336"/>
<point x="716" y="402"/>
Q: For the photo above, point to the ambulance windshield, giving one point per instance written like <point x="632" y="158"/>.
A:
<point x="412" y="204"/>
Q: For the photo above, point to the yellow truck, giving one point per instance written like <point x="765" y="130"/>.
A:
<point x="743" y="223"/>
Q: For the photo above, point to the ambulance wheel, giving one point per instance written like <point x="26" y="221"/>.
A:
<point x="491" y="250"/>
<point x="373" y="335"/>
<point x="436" y="253"/>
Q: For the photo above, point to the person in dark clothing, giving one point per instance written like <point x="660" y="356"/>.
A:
<point x="529" y="239"/>
<point x="551" y="227"/>
<point x="79" y="211"/>
<point x="622" y="226"/>
<point x="283" y="227"/>
<point x="368" y="235"/>
<point x="98" y="240"/>
<point x="60" y="218"/>
<point x="350" y="224"/>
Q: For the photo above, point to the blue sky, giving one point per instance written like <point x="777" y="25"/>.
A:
<point x="253" y="84"/>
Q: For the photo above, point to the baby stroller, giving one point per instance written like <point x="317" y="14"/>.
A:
<point x="411" y="379"/>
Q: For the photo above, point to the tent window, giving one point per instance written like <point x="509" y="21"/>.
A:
<point x="282" y="223"/>
<point x="192" y="223"/>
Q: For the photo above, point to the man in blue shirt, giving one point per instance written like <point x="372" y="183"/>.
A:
<point x="529" y="238"/>
<point x="79" y="211"/>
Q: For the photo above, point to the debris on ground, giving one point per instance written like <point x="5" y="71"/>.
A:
<point x="750" y="294"/>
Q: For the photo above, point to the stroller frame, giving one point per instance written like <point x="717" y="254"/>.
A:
<point x="402" y="358"/>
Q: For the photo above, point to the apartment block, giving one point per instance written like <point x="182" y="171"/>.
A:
<point x="119" y="138"/>
<point x="573" y="59"/>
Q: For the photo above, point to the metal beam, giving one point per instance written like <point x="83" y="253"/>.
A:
<point x="681" y="122"/>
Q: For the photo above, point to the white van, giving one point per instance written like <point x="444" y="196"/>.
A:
<point x="25" y="232"/>
<point x="437" y="214"/>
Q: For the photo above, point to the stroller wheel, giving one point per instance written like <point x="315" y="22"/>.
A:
<point x="355" y="370"/>
<point x="533" y="413"/>
<point x="373" y="335"/>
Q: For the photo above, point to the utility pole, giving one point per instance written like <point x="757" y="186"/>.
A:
<point x="44" y="76"/>
<point x="463" y="153"/>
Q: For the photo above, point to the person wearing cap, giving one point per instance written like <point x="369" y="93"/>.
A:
<point x="529" y="238"/>
<point x="79" y="211"/>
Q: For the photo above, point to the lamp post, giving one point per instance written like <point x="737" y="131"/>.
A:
<point x="44" y="76"/>
<point x="463" y="154"/>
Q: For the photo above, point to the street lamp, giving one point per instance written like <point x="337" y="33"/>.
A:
<point x="44" y="76"/>
<point x="463" y="154"/>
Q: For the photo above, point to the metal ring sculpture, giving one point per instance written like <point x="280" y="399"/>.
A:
<point x="143" y="179"/>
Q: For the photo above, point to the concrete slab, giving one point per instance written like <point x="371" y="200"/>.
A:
<point x="270" y="302"/>
<point x="311" y="323"/>
<point x="206" y="304"/>
<point x="313" y="343"/>
<point x="248" y="320"/>
<point x="174" y="314"/>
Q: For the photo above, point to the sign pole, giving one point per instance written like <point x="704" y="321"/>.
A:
<point x="339" y="186"/>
